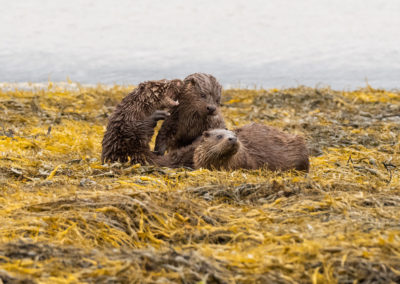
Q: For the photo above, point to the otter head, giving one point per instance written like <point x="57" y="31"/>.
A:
<point x="202" y="93"/>
<point x="170" y="96"/>
<point x="216" y="148"/>
<point x="198" y="111"/>
<point x="224" y="142"/>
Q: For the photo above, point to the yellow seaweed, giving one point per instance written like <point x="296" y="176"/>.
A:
<point x="65" y="218"/>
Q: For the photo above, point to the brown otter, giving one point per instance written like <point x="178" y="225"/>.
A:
<point x="198" y="111"/>
<point x="131" y="125"/>
<point x="251" y="147"/>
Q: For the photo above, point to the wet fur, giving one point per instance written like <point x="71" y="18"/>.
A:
<point x="191" y="118"/>
<point x="257" y="146"/>
<point x="131" y="125"/>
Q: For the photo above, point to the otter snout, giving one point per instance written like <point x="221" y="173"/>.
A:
<point x="232" y="140"/>
<point x="211" y="109"/>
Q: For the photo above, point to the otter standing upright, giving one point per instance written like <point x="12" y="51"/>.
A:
<point x="131" y="125"/>
<point x="198" y="111"/>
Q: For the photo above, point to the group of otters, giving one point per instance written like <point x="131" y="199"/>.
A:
<point x="193" y="132"/>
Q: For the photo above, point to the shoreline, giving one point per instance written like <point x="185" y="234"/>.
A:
<point x="73" y="86"/>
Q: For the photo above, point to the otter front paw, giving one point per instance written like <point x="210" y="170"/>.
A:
<point x="159" y="115"/>
<point x="156" y="116"/>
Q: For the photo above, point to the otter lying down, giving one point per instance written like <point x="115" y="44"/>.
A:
<point x="252" y="146"/>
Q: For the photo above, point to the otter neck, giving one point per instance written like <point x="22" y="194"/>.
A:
<point x="192" y="126"/>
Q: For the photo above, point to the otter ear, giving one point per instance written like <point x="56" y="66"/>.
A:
<point x="193" y="81"/>
<point x="176" y="82"/>
<point x="179" y="83"/>
<point x="206" y="134"/>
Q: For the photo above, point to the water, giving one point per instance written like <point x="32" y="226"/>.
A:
<point x="275" y="43"/>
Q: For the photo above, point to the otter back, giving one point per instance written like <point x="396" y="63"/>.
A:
<point x="274" y="148"/>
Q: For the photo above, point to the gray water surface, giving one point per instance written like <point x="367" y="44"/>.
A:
<point x="275" y="43"/>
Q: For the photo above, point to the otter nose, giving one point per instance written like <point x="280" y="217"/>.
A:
<point x="211" y="109"/>
<point x="232" y="139"/>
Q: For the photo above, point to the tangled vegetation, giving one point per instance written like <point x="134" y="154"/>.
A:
<point x="65" y="218"/>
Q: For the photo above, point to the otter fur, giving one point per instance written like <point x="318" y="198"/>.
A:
<point x="178" y="158"/>
<point x="131" y="125"/>
<point x="198" y="111"/>
<point x="252" y="146"/>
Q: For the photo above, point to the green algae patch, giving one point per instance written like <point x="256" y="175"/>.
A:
<point x="65" y="218"/>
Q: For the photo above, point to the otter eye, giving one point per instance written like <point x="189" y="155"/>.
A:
<point x="219" y="137"/>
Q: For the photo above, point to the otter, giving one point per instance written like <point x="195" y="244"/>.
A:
<point x="131" y="126"/>
<point x="252" y="146"/>
<point x="198" y="111"/>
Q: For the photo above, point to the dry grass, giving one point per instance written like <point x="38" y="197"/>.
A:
<point x="65" y="218"/>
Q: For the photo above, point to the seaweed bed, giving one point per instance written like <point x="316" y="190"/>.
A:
<point x="65" y="218"/>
